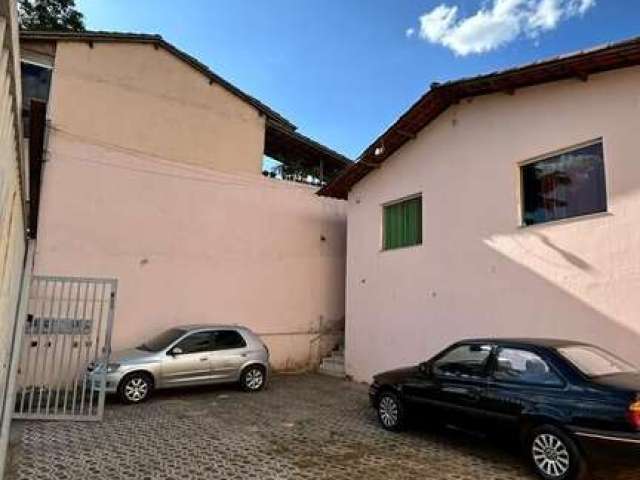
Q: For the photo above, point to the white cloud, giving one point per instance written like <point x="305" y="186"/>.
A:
<point x="435" y="24"/>
<point x="546" y="16"/>
<point x="581" y="6"/>
<point x="410" y="32"/>
<point x="496" y="24"/>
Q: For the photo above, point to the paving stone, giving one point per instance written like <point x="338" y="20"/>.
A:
<point x="301" y="427"/>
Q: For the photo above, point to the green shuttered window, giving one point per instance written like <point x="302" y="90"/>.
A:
<point x="402" y="224"/>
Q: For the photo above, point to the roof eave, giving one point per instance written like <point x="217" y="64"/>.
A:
<point x="441" y="96"/>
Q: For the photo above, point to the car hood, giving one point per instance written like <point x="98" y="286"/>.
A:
<point x="620" y="381"/>
<point x="396" y="376"/>
<point x="131" y="356"/>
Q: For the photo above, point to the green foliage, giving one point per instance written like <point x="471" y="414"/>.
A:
<point x="50" y="16"/>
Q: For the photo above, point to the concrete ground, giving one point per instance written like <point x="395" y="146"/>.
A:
<point x="301" y="427"/>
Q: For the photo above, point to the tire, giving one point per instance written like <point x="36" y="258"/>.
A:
<point x="135" y="388"/>
<point x="554" y="455"/>
<point x="391" y="411"/>
<point x="253" y="378"/>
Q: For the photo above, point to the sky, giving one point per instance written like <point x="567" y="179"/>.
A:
<point x="344" y="70"/>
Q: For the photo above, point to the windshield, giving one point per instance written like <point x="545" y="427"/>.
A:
<point x="162" y="341"/>
<point x="595" y="362"/>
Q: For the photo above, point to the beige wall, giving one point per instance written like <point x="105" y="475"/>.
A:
<point x="144" y="99"/>
<point x="478" y="273"/>
<point x="12" y="234"/>
<point x="192" y="245"/>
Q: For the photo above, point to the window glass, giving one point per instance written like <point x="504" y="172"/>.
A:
<point x="563" y="186"/>
<point x="35" y="83"/>
<point x="227" y="339"/>
<point x="402" y="224"/>
<point x="515" y="365"/>
<point x="162" y="341"/>
<point x="196" y="342"/>
<point x="465" y="360"/>
<point x="595" y="362"/>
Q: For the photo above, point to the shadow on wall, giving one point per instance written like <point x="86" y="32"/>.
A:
<point x="574" y="260"/>
<point x="503" y="298"/>
<point x="561" y="296"/>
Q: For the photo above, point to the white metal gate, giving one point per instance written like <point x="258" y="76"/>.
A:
<point x="66" y="333"/>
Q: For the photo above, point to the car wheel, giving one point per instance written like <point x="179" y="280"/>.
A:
<point x="391" y="411"/>
<point x="135" y="388"/>
<point x="554" y="455"/>
<point x="253" y="378"/>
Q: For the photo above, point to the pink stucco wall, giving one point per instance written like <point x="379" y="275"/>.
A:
<point x="137" y="97"/>
<point x="478" y="273"/>
<point x="192" y="245"/>
<point x="153" y="177"/>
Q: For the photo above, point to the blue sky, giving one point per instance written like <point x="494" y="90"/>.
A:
<point x="344" y="70"/>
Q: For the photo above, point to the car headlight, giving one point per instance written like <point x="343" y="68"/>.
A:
<point x="112" y="367"/>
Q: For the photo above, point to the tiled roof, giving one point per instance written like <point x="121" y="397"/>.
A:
<point x="441" y="96"/>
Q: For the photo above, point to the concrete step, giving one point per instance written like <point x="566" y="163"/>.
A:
<point x="331" y="362"/>
<point x="332" y="366"/>
<point x="331" y="373"/>
<point x="337" y="355"/>
<point x="340" y="373"/>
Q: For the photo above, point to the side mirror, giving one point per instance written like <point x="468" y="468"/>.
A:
<point x="175" y="351"/>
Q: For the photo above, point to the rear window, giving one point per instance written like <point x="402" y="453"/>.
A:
<point x="228" y="339"/>
<point x="595" y="362"/>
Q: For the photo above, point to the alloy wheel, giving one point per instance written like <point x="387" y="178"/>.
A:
<point x="254" y="378"/>
<point x="136" y="389"/>
<point x="388" y="411"/>
<point x="550" y="455"/>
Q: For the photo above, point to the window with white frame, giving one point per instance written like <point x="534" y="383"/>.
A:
<point x="565" y="185"/>
<point x="402" y="223"/>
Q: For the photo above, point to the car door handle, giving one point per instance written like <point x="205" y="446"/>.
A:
<point x="204" y="359"/>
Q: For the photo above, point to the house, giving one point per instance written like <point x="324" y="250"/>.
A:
<point x="150" y="171"/>
<point x="501" y="205"/>
<point x="14" y="196"/>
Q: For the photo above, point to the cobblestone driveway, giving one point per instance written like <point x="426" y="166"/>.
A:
<point x="301" y="427"/>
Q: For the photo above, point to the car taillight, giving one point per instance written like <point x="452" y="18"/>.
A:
<point x="634" y="413"/>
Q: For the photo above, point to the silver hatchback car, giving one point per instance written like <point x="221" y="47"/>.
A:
<point x="183" y="356"/>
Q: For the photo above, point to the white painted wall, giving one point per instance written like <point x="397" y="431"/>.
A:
<point x="478" y="273"/>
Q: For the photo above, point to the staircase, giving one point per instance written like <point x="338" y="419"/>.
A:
<point x="333" y="364"/>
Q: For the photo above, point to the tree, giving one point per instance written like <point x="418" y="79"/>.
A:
<point x="50" y="15"/>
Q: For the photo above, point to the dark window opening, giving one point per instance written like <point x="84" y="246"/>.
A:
<point x="402" y="224"/>
<point x="464" y="361"/>
<point x="567" y="185"/>
<point x="196" y="342"/>
<point x="36" y="82"/>
<point x="522" y="366"/>
<point x="228" y="339"/>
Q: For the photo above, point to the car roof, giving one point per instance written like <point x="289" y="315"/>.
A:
<point x="202" y="326"/>
<point x="529" y="342"/>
